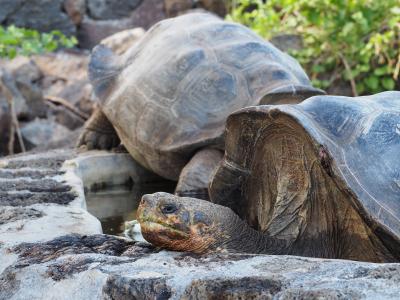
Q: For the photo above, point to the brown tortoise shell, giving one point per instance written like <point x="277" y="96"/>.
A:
<point x="355" y="140"/>
<point x="170" y="94"/>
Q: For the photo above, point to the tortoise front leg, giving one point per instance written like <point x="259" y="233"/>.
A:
<point x="197" y="174"/>
<point x="98" y="133"/>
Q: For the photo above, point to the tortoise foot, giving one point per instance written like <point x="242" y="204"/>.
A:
<point x="91" y="139"/>
<point x="120" y="149"/>
<point x="196" y="175"/>
<point x="98" y="133"/>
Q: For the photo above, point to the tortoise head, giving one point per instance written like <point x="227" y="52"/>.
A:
<point x="182" y="223"/>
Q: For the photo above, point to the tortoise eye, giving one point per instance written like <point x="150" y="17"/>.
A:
<point x="169" y="209"/>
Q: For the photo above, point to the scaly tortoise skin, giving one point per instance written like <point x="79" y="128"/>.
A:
<point x="320" y="178"/>
<point x="169" y="95"/>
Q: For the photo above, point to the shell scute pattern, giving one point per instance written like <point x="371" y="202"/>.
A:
<point x="207" y="96"/>
<point x="362" y="136"/>
<point x="341" y="121"/>
<point x="328" y="165"/>
<point x="384" y="130"/>
<point x="161" y="132"/>
<point x="222" y="33"/>
<point x="264" y="77"/>
<point x="243" y="54"/>
<point x="163" y="81"/>
<point x="198" y="82"/>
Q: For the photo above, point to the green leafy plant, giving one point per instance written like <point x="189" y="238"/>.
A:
<point x="353" y="40"/>
<point x="14" y="41"/>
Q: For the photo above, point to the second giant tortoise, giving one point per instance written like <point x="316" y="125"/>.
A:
<point x="169" y="95"/>
<point x="320" y="178"/>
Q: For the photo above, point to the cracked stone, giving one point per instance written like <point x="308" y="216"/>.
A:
<point x="34" y="174"/>
<point x="34" y="253"/>
<point x="13" y="214"/>
<point x="26" y="199"/>
<point x="106" y="9"/>
<point x="37" y="186"/>
<point x="42" y="15"/>
<point x="119" y="288"/>
<point x="242" y="288"/>
<point x="39" y="163"/>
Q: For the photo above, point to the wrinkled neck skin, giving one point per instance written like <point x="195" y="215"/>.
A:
<point x="237" y="236"/>
<point x="352" y="239"/>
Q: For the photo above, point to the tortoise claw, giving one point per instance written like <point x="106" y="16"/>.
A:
<point x="90" y="140"/>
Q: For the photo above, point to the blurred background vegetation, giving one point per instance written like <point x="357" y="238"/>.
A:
<point x="357" y="41"/>
<point x="20" y="41"/>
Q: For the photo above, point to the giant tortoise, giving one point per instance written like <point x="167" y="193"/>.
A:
<point x="169" y="95"/>
<point x="320" y="178"/>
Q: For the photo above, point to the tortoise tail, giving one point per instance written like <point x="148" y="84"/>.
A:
<point x="104" y="68"/>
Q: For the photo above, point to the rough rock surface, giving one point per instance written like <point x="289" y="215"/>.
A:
<point x="5" y="125"/>
<point x="26" y="75"/>
<point x="42" y="131"/>
<point x="65" y="78"/>
<point x="146" y="14"/>
<point x="75" y="9"/>
<point x="9" y="91"/>
<point x="91" y="32"/>
<point x="42" y="15"/>
<point x="60" y="74"/>
<point x="23" y="69"/>
<point x="94" y="20"/>
<point x="216" y="6"/>
<point x="174" y="8"/>
<point x="111" y="9"/>
<point x="101" y="266"/>
<point x="8" y="7"/>
<point x="51" y="248"/>
<point x="52" y="96"/>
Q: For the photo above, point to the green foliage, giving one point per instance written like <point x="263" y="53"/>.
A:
<point x="353" y="40"/>
<point x="14" y="40"/>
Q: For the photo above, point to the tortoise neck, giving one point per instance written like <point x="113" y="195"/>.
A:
<point x="242" y="238"/>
